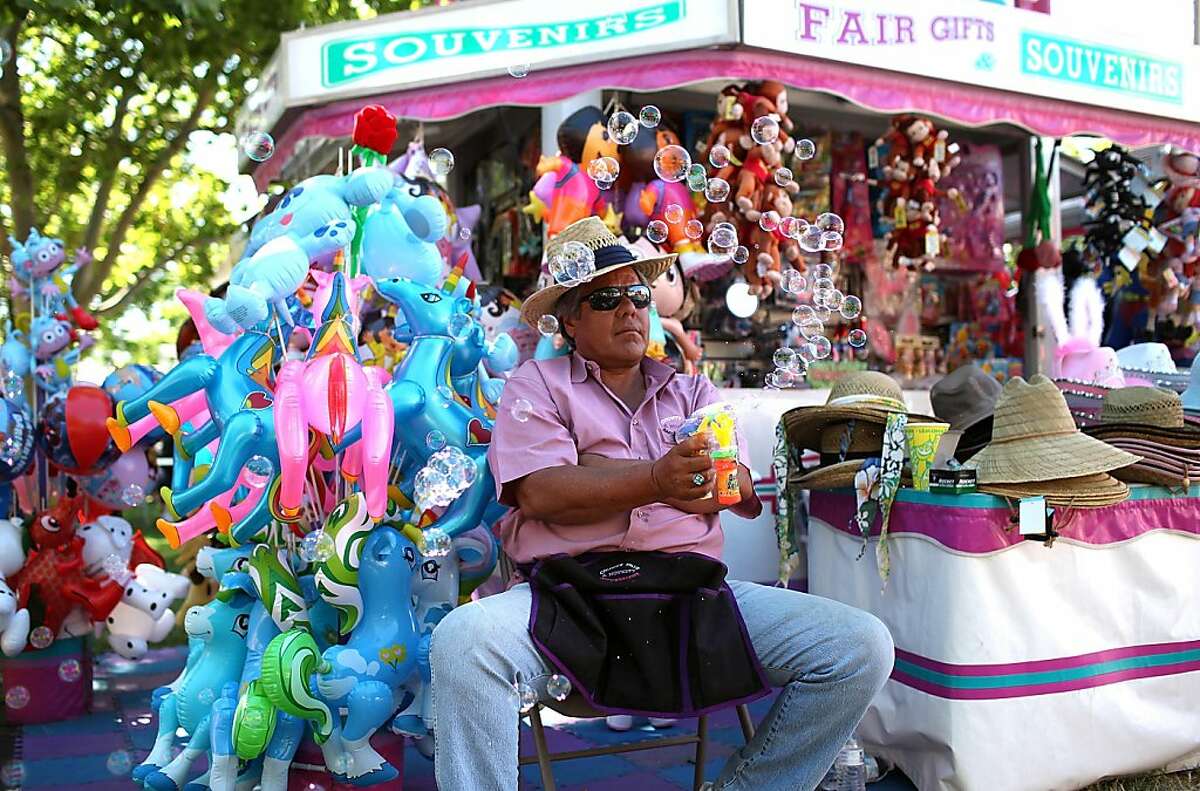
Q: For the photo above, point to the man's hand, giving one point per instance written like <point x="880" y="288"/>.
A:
<point x="674" y="475"/>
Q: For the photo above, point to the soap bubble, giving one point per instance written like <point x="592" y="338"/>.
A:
<point x="578" y="264"/>
<point x="697" y="177"/>
<point x="831" y="240"/>
<point x="114" y="565"/>
<point x="435" y="542"/>
<point x="622" y="127"/>
<point x="206" y="696"/>
<point x="822" y="348"/>
<point x="41" y="637"/>
<point x="741" y="254"/>
<point x="822" y="283"/>
<point x="650" y="116"/>
<point x="671" y="163"/>
<point x="822" y="271"/>
<point x="119" y="763"/>
<point x="792" y="282"/>
<point x="783" y="176"/>
<point x="833" y="299"/>
<point x="851" y="307"/>
<point x="441" y="161"/>
<point x="783" y="357"/>
<point x="521" y="410"/>
<point x="558" y="687"/>
<point x="717" y="190"/>
<point x="810" y="239"/>
<point x="768" y="220"/>
<point x="693" y="229"/>
<point x="435" y="440"/>
<point x="604" y="169"/>
<point x="258" y="146"/>
<point x="258" y="471"/>
<point x="765" y="129"/>
<point x="13" y="773"/>
<point x="656" y="231"/>
<point x="16" y="698"/>
<point x="321" y="545"/>
<point x="69" y="670"/>
<point x="133" y="495"/>
<point x="857" y="338"/>
<point x="805" y="149"/>
<point x="339" y="763"/>
<point x="464" y="234"/>
<point x="14" y="386"/>
<point x="518" y="70"/>
<point x="460" y="326"/>
<point x="791" y="227"/>
<point x="803" y="313"/>
<point x="673" y="213"/>
<point x="828" y="221"/>
<point x="547" y="325"/>
<point x="718" y="156"/>
<point x="527" y="696"/>
<point x="724" y="235"/>
<point x="811" y="328"/>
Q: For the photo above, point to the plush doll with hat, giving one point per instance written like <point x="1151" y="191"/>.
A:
<point x="564" y="193"/>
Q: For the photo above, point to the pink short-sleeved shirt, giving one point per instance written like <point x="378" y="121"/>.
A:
<point x="571" y="412"/>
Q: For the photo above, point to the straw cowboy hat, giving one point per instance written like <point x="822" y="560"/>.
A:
<point x="610" y="255"/>
<point x="966" y="398"/>
<point x="848" y="428"/>
<point x="1086" y="491"/>
<point x="1034" y="439"/>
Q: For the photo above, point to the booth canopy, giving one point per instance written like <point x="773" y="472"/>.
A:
<point x="450" y="62"/>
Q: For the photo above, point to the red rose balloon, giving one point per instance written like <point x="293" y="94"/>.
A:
<point x="375" y="128"/>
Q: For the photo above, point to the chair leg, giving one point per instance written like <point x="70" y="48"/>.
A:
<point x="539" y="743"/>
<point x="701" y="751"/>
<point x="747" y="724"/>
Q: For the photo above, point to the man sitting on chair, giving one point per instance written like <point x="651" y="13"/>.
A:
<point x="580" y="452"/>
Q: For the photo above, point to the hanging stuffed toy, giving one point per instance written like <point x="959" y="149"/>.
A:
<point x="38" y="270"/>
<point x="564" y="192"/>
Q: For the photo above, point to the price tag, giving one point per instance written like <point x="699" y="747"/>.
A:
<point x="1032" y="514"/>
<point x="1158" y="240"/>
<point x="1137" y="238"/>
<point x="873" y="157"/>
<point x="1130" y="258"/>
<point x="939" y="151"/>
<point x="933" y="241"/>
<point x="900" y="215"/>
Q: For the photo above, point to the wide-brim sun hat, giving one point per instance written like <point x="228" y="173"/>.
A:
<point x="609" y="254"/>
<point x="1084" y="491"/>
<point x="1035" y="439"/>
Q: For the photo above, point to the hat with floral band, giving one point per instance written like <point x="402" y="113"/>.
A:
<point x="1034" y="439"/>
<point x="608" y="253"/>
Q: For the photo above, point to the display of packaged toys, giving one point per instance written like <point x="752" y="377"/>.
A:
<point x="719" y="422"/>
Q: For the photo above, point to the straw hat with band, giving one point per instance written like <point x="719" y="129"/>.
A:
<point x="1149" y="413"/>
<point x="610" y="255"/>
<point x="847" y="429"/>
<point x="1086" y="491"/>
<point x="1034" y="439"/>
<point x="966" y="399"/>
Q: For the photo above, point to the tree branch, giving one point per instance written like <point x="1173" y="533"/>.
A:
<point x="12" y="137"/>
<point x="91" y="234"/>
<point x="93" y="277"/>
<point x="117" y="302"/>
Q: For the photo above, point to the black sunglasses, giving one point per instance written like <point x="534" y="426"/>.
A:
<point x="609" y="297"/>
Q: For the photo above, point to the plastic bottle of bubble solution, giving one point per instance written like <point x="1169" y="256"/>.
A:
<point x="851" y="768"/>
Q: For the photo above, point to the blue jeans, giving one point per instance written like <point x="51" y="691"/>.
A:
<point x="829" y="658"/>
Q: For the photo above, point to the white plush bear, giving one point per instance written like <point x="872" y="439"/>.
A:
<point x="12" y="552"/>
<point x="144" y="613"/>
<point x="14" y="621"/>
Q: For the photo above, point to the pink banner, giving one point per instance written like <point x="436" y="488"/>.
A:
<point x="883" y="91"/>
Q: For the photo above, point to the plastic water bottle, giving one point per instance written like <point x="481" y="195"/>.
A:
<point x="851" y="768"/>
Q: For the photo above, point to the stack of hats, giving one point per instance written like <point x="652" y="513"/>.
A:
<point x="847" y="430"/>
<point x="1036" y="449"/>
<point x="966" y="399"/>
<point x="1148" y="421"/>
<point x="1191" y="394"/>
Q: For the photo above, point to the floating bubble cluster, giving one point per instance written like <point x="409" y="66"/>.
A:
<point x="447" y="474"/>
<point x="574" y="264"/>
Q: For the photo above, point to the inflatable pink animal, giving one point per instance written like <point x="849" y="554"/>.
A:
<point x="331" y="392"/>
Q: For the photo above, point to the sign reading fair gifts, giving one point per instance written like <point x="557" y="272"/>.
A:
<point x="470" y="40"/>
<point x="989" y="45"/>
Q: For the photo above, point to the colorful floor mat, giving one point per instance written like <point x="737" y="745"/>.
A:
<point x="97" y="751"/>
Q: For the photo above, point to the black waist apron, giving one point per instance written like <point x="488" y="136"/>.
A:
<point x="649" y="633"/>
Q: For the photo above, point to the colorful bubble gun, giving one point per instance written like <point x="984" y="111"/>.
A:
<point x="719" y="422"/>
